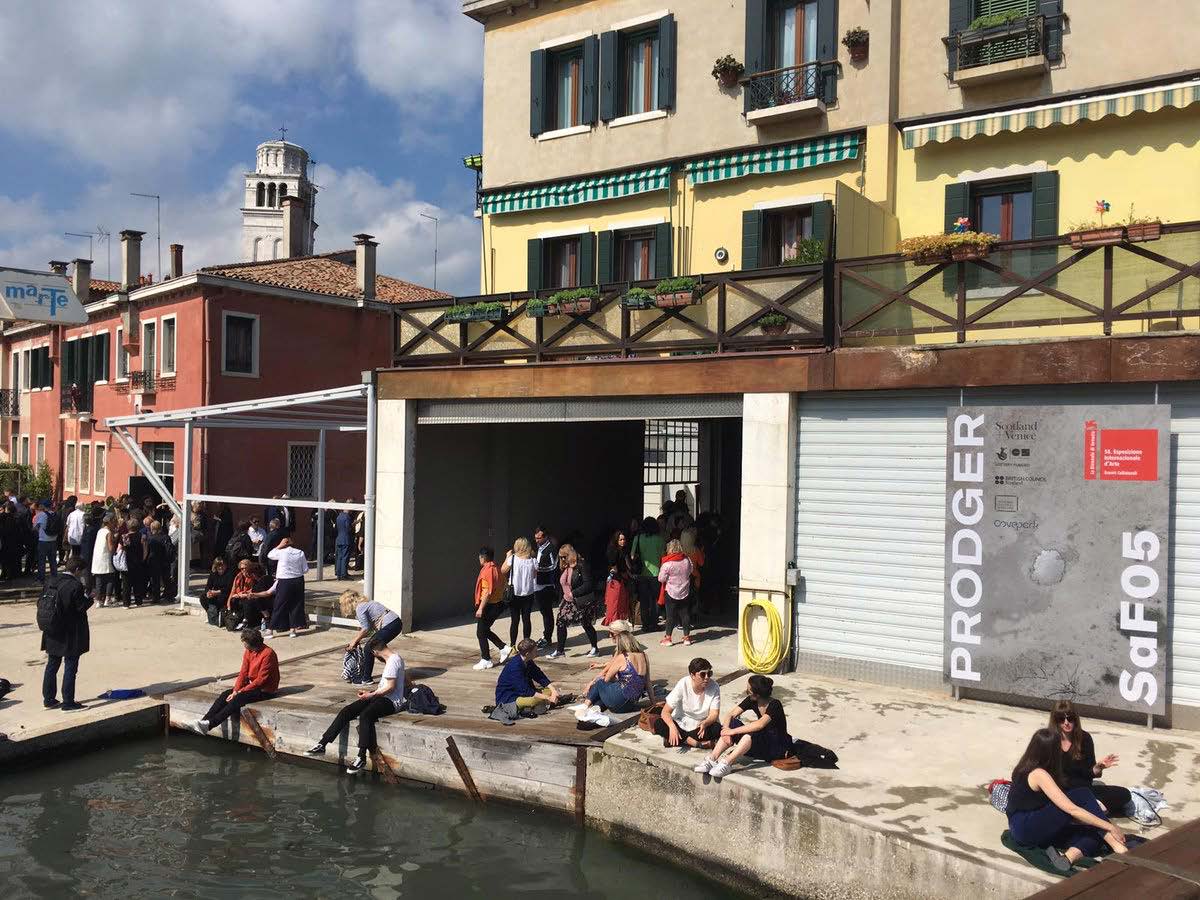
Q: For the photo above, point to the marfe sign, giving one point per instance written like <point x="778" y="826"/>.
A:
<point x="1056" y="552"/>
<point x="38" y="297"/>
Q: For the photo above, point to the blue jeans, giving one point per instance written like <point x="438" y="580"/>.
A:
<point x="341" y="565"/>
<point x="47" y="551"/>
<point x="610" y="695"/>
<point x="385" y="634"/>
<point x="1051" y="827"/>
<point x="50" y="678"/>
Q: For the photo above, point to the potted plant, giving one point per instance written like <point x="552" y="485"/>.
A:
<point x="573" y="301"/>
<point x="537" y="307"/>
<point x="773" y="323"/>
<point x="929" y="249"/>
<point x="1096" y="234"/>
<point x="638" y="298"/>
<point x="727" y="70"/>
<point x="857" y="41"/>
<point x="1142" y="228"/>
<point x="970" y="244"/>
<point x="475" y="312"/>
<point x="675" y="292"/>
<point x="809" y="251"/>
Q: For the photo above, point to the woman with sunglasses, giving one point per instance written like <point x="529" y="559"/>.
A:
<point x="765" y="737"/>
<point x="691" y="713"/>
<point x="1080" y="767"/>
<point x="577" y="605"/>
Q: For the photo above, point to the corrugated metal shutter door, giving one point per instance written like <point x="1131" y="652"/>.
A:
<point x="870" y="529"/>
<point x="1185" y="547"/>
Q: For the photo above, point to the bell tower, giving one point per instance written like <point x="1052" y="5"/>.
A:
<point x="280" y="170"/>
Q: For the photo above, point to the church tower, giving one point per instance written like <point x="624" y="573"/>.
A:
<point x="280" y="171"/>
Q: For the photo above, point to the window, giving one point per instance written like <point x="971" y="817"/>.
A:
<point x="41" y="449"/>
<point x="101" y="473"/>
<point x="566" y="88"/>
<point x="635" y="255"/>
<point x="562" y="262"/>
<point x="69" y="467"/>
<point x="122" y="356"/>
<point x="640" y="71"/>
<point x="162" y="459"/>
<point x="27" y="377"/>
<point x="282" y="193"/>
<point x="100" y="357"/>
<point x="260" y="194"/>
<point x="271" y="194"/>
<point x="14" y="453"/>
<point x="671" y="452"/>
<point x="783" y="230"/>
<point x="149" y="346"/>
<point x="794" y="33"/>
<point x="42" y="374"/>
<point x="15" y="384"/>
<point x="85" y="468"/>
<point x="24" y="449"/>
<point x="1004" y="208"/>
<point x="167" y="356"/>
<point x="240" y="344"/>
<point x="302" y="471"/>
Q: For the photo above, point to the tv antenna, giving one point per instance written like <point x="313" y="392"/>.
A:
<point x="158" y="215"/>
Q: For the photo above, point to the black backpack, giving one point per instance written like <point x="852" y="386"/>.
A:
<point x="814" y="756"/>
<point x="424" y="702"/>
<point x="53" y="524"/>
<point x="50" y="617"/>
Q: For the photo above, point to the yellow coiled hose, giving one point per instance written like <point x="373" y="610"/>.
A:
<point x="771" y="658"/>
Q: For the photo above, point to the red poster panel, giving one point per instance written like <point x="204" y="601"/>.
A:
<point x="1128" y="454"/>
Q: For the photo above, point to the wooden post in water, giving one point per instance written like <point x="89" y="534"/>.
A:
<point x="580" y="789"/>
<point x="383" y="767"/>
<point x="463" y="772"/>
<point x="251" y="721"/>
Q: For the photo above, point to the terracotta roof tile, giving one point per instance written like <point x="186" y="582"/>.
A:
<point x="325" y="273"/>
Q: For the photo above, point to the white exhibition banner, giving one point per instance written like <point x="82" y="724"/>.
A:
<point x="29" y="296"/>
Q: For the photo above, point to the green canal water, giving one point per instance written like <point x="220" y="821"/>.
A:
<point x="186" y="817"/>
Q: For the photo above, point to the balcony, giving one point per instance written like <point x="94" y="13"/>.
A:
<point x="10" y="403"/>
<point x="142" y="382"/>
<point x="1014" y="49"/>
<point x="793" y="92"/>
<point x="76" y="400"/>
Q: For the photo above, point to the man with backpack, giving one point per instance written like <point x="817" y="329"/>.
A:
<point x="48" y="525"/>
<point x="62" y="617"/>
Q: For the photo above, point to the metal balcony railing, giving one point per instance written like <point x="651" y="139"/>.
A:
<point x="1017" y="39"/>
<point x="10" y="403"/>
<point x="143" y="382"/>
<point x="76" y="398"/>
<point x="790" y="84"/>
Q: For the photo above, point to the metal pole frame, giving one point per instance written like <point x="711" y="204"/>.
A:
<point x="184" y="561"/>
<point x="369" y="494"/>
<point x="320" y="489"/>
<point x="130" y="446"/>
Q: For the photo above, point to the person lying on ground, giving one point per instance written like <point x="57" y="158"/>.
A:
<point x="690" y="716"/>
<point x="765" y="738"/>
<point x="216" y="590"/>
<point x="373" y="618"/>
<point x="258" y="680"/>
<point x="1041" y="814"/>
<point x="1080" y="766"/>
<point x="621" y="683"/>
<point x="522" y="682"/>
<point x="370" y="707"/>
<point x="489" y="603"/>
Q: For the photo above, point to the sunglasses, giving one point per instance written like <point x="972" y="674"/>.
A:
<point x="1063" y="717"/>
<point x="707" y="673"/>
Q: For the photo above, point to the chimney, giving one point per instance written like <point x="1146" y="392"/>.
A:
<point x="131" y="259"/>
<point x="364" y="264"/>
<point x="293" y="227"/>
<point x="81" y="281"/>
<point x="58" y="267"/>
<point x="176" y="260"/>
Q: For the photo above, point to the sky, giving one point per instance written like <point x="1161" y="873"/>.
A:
<point x="173" y="98"/>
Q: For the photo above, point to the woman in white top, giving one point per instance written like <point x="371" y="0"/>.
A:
<point x="102" y="565"/>
<point x="290" y="565"/>
<point x="521" y="567"/>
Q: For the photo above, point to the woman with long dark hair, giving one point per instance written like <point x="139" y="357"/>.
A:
<point x="620" y="580"/>
<point x="1080" y="766"/>
<point x="765" y="737"/>
<point x="1040" y="814"/>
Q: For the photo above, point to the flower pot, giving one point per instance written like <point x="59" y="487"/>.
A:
<point x="929" y="257"/>
<point x="675" y="300"/>
<point x="1144" y="231"/>
<point x="1098" y="237"/>
<point x="537" y="312"/>
<point x="728" y="78"/>
<point x="774" y="330"/>
<point x="966" y="252"/>
<point x="858" y="52"/>
<point x="576" y="307"/>
<point x="638" y="302"/>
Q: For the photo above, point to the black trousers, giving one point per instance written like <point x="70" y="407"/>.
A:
<point x="545" y="597"/>
<point x="1114" y="797"/>
<point x="709" y="733"/>
<point x="588" y="629"/>
<point x="647" y="597"/>
<point x="368" y="711"/>
<point x="223" y="708"/>
<point x="483" y="628"/>
<point x="679" y="612"/>
<point x="522" y="607"/>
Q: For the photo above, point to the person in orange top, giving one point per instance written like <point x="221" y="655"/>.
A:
<point x="258" y="680"/>
<point x="489" y="603"/>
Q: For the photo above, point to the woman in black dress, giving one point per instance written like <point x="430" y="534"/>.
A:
<point x="765" y="738"/>
<point x="1080" y="766"/>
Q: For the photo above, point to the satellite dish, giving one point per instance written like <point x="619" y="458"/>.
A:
<point x="29" y="296"/>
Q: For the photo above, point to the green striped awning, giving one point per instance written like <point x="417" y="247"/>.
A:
<point x="580" y="190"/>
<point x="1065" y="113"/>
<point x="778" y="158"/>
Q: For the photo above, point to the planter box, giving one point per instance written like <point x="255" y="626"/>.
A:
<point x="858" y="52"/>
<point x="638" y="302"/>
<point x="961" y="254"/>
<point x="729" y="78"/>
<point x="1145" y="231"/>
<point x="932" y="258"/>
<point x="577" y="307"/>
<point x="476" y="315"/>
<point x="1098" y="237"/>
<point x="538" y="312"/>
<point x="774" y="330"/>
<point x="677" y="299"/>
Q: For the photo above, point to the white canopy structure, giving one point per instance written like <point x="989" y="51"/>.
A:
<point x="344" y="409"/>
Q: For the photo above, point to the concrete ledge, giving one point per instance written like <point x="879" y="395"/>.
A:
<point x="801" y="109"/>
<point x="1024" y="67"/>
<point x="97" y="724"/>
<point x="775" y="838"/>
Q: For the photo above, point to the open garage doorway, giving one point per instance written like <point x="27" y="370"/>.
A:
<point x="488" y="483"/>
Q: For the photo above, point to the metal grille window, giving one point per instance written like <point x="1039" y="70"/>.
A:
<point x="302" y="471"/>
<point x="69" y="474"/>
<point x="671" y="452"/>
<point x="101" y="468"/>
<point x="85" y="468"/>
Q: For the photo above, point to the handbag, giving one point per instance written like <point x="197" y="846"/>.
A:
<point x="648" y="718"/>
<point x="120" y="563"/>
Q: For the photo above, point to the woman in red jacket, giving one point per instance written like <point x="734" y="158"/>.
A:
<point x="258" y="680"/>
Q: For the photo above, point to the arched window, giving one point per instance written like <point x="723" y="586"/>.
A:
<point x="257" y="248"/>
<point x="282" y="193"/>
<point x="260" y="195"/>
<point x="271" y="194"/>
<point x="276" y="247"/>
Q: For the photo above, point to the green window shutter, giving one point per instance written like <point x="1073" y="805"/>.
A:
<point x="662" y="250"/>
<point x="756" y="42"/>
<point x="587" y="258"/>
<point x="68" y="350"/>
<point x="1052" y="37"/>
<point x="962" y="12"/>
<point x="49" y="368"/>
<point x="666" y="62"/>
<point x="85" y="364"/>
<point x="958" y="203"/>
<point x="1045" y="204"/>
<point x="610" y="75"/>
<point x="752" y="226"/>
<point x="827" y="49"/>
<point x="606" y="245"/>
<point x="537" y="92"/>
<point x="102" y="356"/>
<point x="591" y="80"/>
<point x="822" y="219"/>
<point x="533" y="281"/>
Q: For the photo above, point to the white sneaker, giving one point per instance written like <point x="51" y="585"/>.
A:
<point x="554" y="654"/>
<point x="483" y="664"/>
<point x="593" y="652"/>
<point x="267" y="635"/>
<point x="505" y="654"/>
<point x="706" y="766"/>
<point x="720" y="769"/>
<point x="202" y="726"/>
<point x="591" y="714"/>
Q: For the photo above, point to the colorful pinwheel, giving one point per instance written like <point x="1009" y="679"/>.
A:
<point x="1102" y="206"/>
<point x="961" y="224"/>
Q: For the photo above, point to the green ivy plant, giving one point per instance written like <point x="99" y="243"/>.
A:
<point x="773" y="318"/>
<point x="638" y="297"/>
<point x="676" y="285"/>
<point x="536" y="307"/>
<point x="996" y="19"/>
<point x="569" y="295"/>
